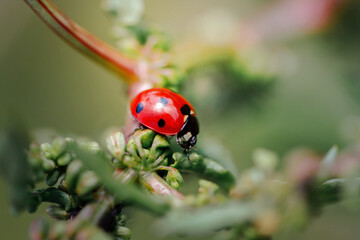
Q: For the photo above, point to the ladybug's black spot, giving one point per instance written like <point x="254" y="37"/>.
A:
<point x="163" y="101"/>
<point x="139" y="107"/>
<point x="185" y="110"/>
<point x="161" y="123"/>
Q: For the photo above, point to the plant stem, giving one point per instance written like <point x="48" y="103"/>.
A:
<point x="84" y="42"/>
<point x="158" y="186"/>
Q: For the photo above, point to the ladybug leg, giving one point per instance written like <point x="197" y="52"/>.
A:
<point x="141" y="127"/>
<point x="187" y="152"/>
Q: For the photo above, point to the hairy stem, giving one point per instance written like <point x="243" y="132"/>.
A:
<point x="83" y="41"/>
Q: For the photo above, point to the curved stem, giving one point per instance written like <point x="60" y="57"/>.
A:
<point x="158" y="186"/>
<point x="83" y="41"/>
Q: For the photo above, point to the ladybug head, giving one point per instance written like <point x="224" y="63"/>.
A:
<point x="186" y="138"/>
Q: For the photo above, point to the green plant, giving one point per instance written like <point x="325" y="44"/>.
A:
<point x="88" y="184"/>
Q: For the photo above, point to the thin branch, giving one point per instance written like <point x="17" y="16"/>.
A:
<point x="83" y="41"/>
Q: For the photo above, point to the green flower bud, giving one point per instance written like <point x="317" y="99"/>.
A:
<point x="121" y="220"/>
<point x="46" y="150"/>
<point x="122" y="232"/>
<point x="195" y="162"/>
<point x="90" y="146"/>
<point x="87" y="183"/>
<point x="161" y="159"/>
<point x="207" y="187"/>
<point x="146" y="137"/>
<point x="117" y="163"/>
<point x="64" y="160"/>
<point x="53" y="177"/>
<point x="116" y="145"/>
<point x="132" y="149"/>
<point x="48" y="165"/>
<point x="174" y="178"/>
<point x="58" y="147"/>
<point x="158" y="146"/>
<point x="73" y="172"/>
<point x="57" y="212"/>
<point x="129" y="161"/>
<point x="143" y="139"/>
<point x="147" y="149"/>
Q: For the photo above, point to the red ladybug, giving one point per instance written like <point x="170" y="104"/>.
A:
<point x="167" y="113"/>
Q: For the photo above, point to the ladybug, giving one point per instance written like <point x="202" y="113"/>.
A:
<point x="167" y="113"/>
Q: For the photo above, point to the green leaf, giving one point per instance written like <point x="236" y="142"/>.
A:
<point x="206" y="219"/>
<point x="14" y="166"/>
<point x="54" y="195"/>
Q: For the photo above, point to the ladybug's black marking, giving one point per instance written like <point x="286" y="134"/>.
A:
<point x="161" y="123"/>
<point x="139" y="108"/>
<point x="185" y="110"/>
<point x="163" y="101"/>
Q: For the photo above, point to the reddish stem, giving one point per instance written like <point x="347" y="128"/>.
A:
<point x="158" y="186"/>
<point x="83" y="41"/>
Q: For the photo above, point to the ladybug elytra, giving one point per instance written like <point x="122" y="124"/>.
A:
<point x="167" y="113"/>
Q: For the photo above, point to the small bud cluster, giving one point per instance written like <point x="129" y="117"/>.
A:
<point x="85" y="190"/>
<point x="75" y="190"/>
<point x="149" y="151"/>
<point x="73" y="183"/>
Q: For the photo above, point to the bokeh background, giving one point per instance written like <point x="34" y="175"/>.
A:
<point x="314" y="90"/>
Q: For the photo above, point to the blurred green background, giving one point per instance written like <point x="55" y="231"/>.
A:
<point x="46" y="84"/>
